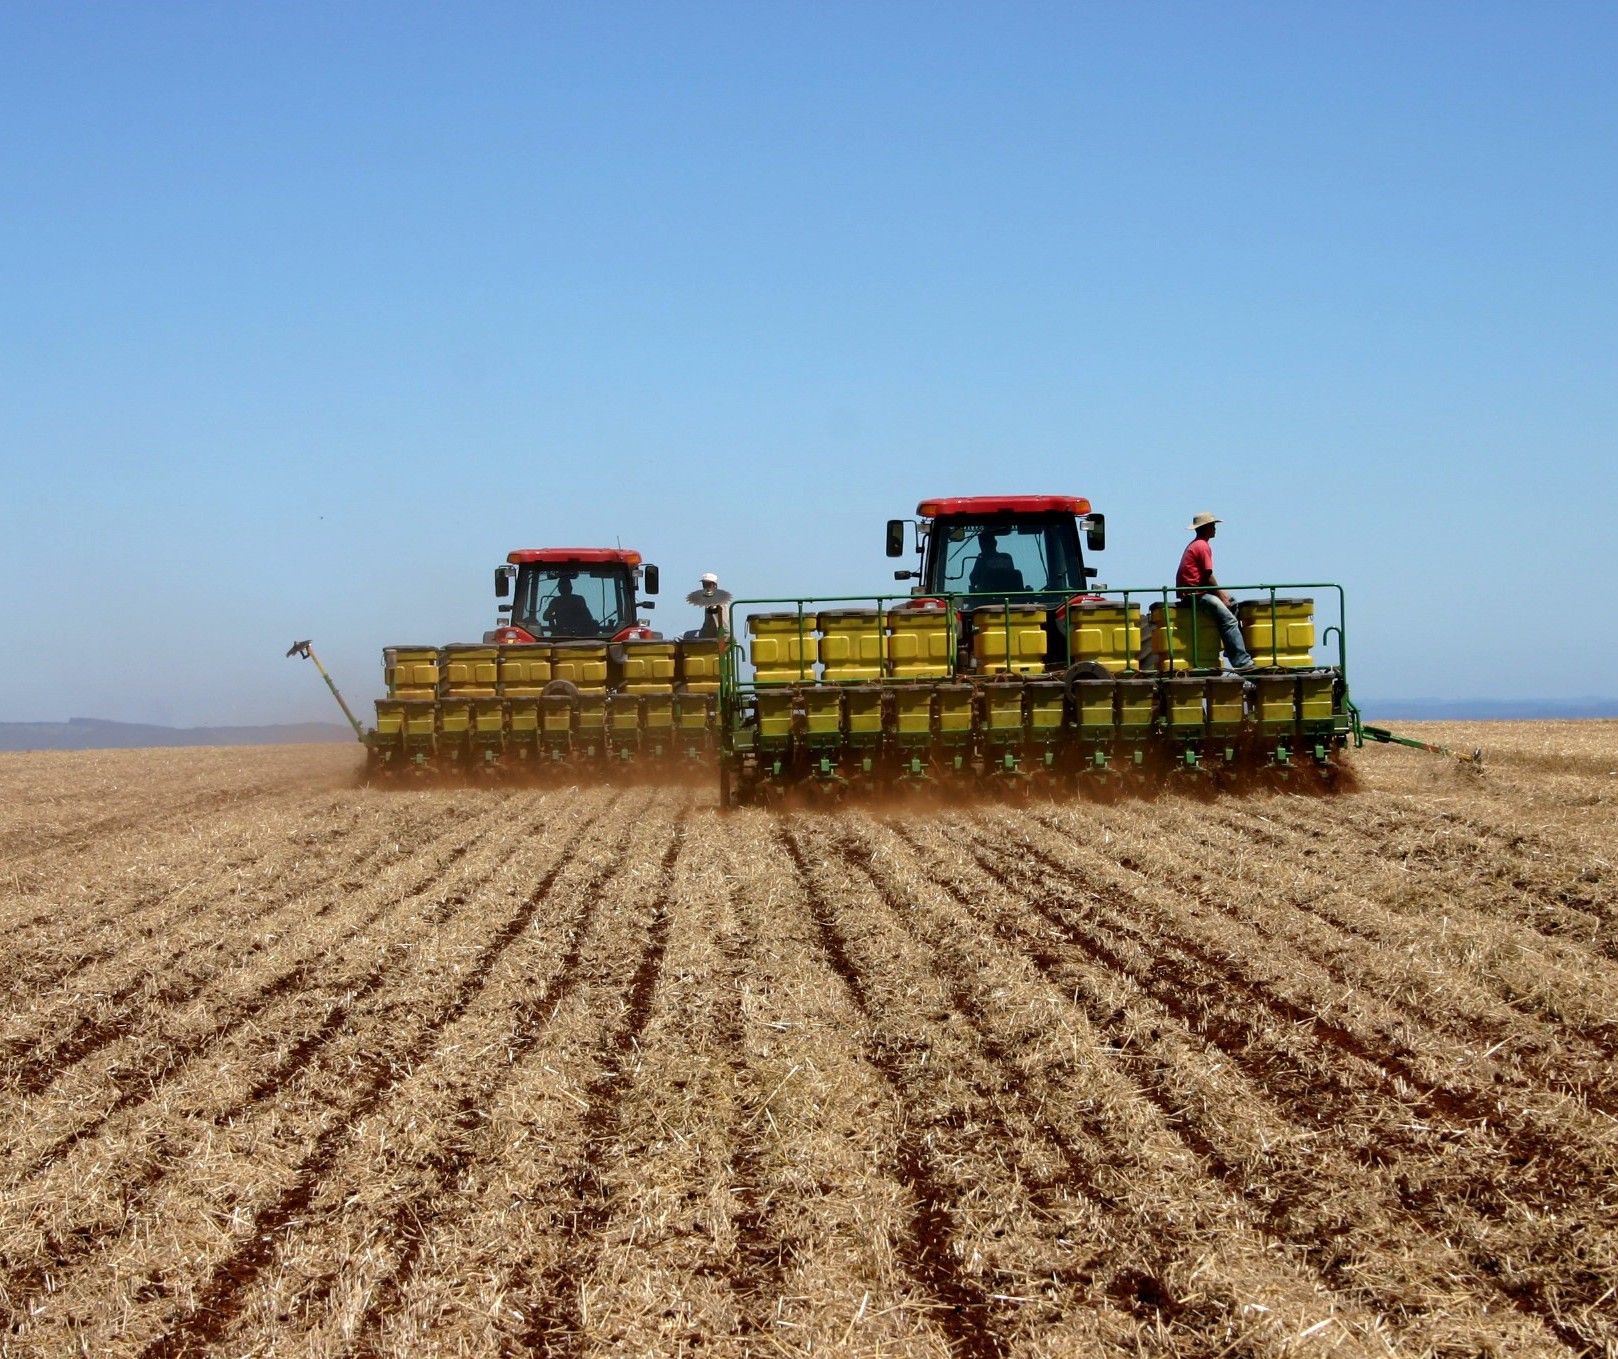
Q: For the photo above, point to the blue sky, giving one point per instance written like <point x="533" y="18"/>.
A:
<point x="310" y="312"/>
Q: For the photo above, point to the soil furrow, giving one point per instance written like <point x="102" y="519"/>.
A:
<point x="1532" y="873"/>
<point x="302" y="1067"/>
<point x="1538" y="1053"/>
<point x="528" y="1023"/>
<point x="1286" y="1198"/>
<point x="35" y="1068"/>
<point x="755" y="1274"/>
<point x="1391" y="1063"/>
<point x="1096" y="1154"/>
<point x="372" y="1083"/>
<point x="1205" y="993"/>
<point x="143" y="1176"/>
<point x="963" y="1306"/>
<point x="556" y="1325"/>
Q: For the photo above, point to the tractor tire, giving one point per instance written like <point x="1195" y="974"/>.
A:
<point x="1083" y="670"/>
<point x="562" y="689"/>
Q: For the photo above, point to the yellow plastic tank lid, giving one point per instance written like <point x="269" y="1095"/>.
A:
<point x="1279" y="603"/>
<point x="787" y="617"/>
<point x="872" y="614"/>
<point x="1086" y="605"/>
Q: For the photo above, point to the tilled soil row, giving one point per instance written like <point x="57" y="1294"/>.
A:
<point x="126" y="1049"/>
<point x="1442" y="1081"/>
<point x="556" y="1311"/>
<point x="1451" y="950"/>
<point x="825" y="1212"/>
<point x="1468" y="1164"/>
<point x="271" y="1034"/>
<point x="142" y="1176"/>
<point x="438" y="1138"/>
<point x="112" y="1156"/>
<point x="1324" y="920"/>
<point x="1124" y="1201"/>
<point x="1544" y="877"/>
<point x="152" y="795"/>
<point x="930" y="1254"/>
<point x="1266" y="1154"/>
<point x="291" y="1263"/>
<point x="321" y="1070"/>
<point x="270" y="859"/>
<point x="174" y="962"/>
<point x="608" y="1217"/>
<point x="262" y="870"/>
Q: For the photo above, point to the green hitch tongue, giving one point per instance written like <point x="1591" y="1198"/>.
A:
<point x="308" y="653"/>
<point x="1386" y="737"/>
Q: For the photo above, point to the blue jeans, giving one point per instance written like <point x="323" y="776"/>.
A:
<point x="1230" y="631"/>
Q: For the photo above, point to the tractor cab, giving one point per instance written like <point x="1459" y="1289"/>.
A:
<point x="1000" y="553"/>
<point x="1023" y="546"/>
<point x="571" y="593"/>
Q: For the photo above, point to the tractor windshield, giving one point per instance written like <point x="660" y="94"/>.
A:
<point x="582" y="600"/>
<point x="1004" y="555"/>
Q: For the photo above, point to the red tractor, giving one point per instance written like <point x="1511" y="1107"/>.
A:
<point x="572" y="593"/>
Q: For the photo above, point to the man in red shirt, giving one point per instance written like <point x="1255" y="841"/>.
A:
<point x="1195" y="582"/>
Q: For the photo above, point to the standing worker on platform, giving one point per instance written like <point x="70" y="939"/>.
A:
<point x="1196" y="584"/>
<point x="715" y="606"/>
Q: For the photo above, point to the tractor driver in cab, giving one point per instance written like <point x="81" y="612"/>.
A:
<point x="567" y="615"/>
<point x="994" y="569"/>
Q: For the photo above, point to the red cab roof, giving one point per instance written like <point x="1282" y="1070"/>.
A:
<point x="563" y="556"/>
<point x="1003" y="504"/>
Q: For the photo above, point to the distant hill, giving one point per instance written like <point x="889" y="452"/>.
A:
<point x="92" y="733"/>
<point x="1484" y="709"/>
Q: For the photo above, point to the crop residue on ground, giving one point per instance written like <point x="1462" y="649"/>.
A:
<point x="293" y="1066"/>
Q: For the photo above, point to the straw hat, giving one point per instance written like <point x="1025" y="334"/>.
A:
<point x="1203" y="520"/>
<point x="710" y="593"/>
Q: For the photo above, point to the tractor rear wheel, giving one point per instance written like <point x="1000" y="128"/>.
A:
<point x="1084" y="670"/>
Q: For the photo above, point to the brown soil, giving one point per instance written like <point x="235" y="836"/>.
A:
<point x="296" y="1066"/>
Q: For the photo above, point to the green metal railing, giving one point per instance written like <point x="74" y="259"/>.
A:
<point x="957" y="604"/>
<point x="736" y="686"/>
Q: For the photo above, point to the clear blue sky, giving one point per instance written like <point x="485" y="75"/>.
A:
<point x="309" y="312"/>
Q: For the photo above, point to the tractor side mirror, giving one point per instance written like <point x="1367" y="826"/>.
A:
<point x="649" y="579"/>
<point x="1095" y="532"/>
<point x="502" y="580"/>
<point x="896" y="537"/>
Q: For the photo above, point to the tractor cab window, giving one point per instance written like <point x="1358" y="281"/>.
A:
<point x="1006" y="556"/>
<point x="571" y="601"/>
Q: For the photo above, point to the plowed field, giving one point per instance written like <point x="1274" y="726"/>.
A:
<point x="297" y="1067"/>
